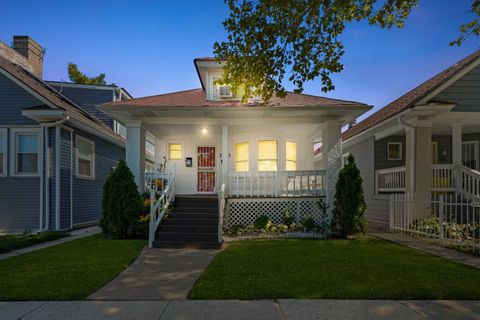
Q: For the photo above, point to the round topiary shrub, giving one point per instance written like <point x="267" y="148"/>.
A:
<point x="121" y="203"/>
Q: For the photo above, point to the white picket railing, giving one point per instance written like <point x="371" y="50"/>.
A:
<point x="470" y="181"/>
<point x="451" y="220"/>
<point x="162" y="193"/>
<point x="221" y="212"/>
<point x="276" y="183"/>
<point x="390" y="180"/>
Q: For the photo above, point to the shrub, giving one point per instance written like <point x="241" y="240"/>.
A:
<point x="309" y="223"/>
<point x="349" y="203"/>
<point x="288" y="218"/>
<point x="261" y="222"/>
<point x="121" y="203"/>
<point x="324" y="217"/>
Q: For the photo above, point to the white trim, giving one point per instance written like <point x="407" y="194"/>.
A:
<point x="399" y="151"/>
<point x="92" y="160"/>
<point x="71" y="179"/>
<point x="57" y="177"/>
<point x="4" y="133"/>
<point x="13" y="150"/>
<point x="47" y="178"/>
<point x="345" y="155"/>
<point x="42" y="173"/>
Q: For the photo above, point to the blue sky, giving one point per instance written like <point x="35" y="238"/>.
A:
<point x="148" y="47"/>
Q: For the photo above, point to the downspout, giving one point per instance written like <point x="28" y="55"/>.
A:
<point x="47" y="167"/>
<point x="414" y="139"/>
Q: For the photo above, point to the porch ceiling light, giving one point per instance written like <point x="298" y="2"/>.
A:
<point x="204" y="131"/>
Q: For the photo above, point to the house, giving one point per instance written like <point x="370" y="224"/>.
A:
<point x="56" y="148"/>
<point x="263" y="154"/>
<point x="426" y="141"/>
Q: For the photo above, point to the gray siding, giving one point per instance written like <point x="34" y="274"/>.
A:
<point x="89" y="99"/>
<point x="87" y="194"/>
<point x="13" y="99"/>
<point x="52" y="182"/>
<point x="65" y="179"/>
<point x="465" y="92"/>
<point x="377" y="206"/>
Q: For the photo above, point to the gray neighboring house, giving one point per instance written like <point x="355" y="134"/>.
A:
<point x="56" y="147"/>
<point x="426" y="141"/>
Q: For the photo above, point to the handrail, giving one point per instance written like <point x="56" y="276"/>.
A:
<point x="161" y="184"/>
<point x="390" y="179"/>
<point x="469" y="181"/>
<point x="221" y="211"/>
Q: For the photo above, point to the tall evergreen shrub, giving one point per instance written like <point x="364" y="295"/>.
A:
<point x="121" y="203"/>
<point x="349" y="202"/>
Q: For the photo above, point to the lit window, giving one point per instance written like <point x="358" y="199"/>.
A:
<point x="26" y="159"/>
<point x="175" y="151"/>
<point x="267" y="155"/>
<point x="85" y="157"/>
<point x="394" y="151"/>
<point x="291" y="156"/>
<point x="241" y="156"/>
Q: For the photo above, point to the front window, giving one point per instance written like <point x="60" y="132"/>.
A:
<point x="85" y="158"/>
<point x="26" y="161"/>
<point x="267" y="155"/>
<point x="291" y="156"/>
<point x="175" y="151"/>
<point x="241" y="156"/>
<point x="394" y="151"/>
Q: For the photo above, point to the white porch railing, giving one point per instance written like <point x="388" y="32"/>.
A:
<point x="470" y="181"/>
<point x="221" y="212"/>
<point x="443" y="177"/>
<point x="277" y="183"/>
<point x="451" y="220"/>
<point x="162" y="193"/>
<point x="390" y="180"/>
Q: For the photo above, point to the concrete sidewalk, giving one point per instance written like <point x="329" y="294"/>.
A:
<point x="158" y="274"/>
<point x="75" y="234"/>
<point x="433" y="249"/>
<point x="236" y="310"/>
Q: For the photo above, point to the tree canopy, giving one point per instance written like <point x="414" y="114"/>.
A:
<point x="272" y="40"/>
<point x="77" y="76"/>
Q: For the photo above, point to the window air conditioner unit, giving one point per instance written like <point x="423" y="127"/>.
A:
<point x="224" y="92"/>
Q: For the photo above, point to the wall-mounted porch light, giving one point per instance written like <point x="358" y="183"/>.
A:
<point x="204" y="131"/>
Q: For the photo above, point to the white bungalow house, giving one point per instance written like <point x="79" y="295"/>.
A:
<point x="263" y="154"/>
<point x="424" y="143"/>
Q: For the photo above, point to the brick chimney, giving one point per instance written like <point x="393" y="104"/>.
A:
<point x="31" y="50"/>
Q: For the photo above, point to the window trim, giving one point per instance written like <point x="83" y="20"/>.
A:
<point x="296" y="154"/>
<point x="14" y="132"/>
<point x="168" y="150"/>
<point x="258" y="154"/>
<point x="248" y="155"/>
<point x="4" y="133"/>
<point x="344" y="156"/>
<point x="92" y="161"/>
<point x="400" y="151"/>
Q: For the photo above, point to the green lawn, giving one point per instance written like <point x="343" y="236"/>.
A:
<point x="67" y="271"/>
<point x="366" y="268"/>
<point x="11" y="242"/>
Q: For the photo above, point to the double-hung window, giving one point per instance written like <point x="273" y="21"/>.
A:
<point x="175" y="151"/>
<point x="85" y="158"/>
<point x="241" y="157"/>
<point x="25" y="152"/>
<point x="267" y="155"/>
<point x="291" y="156"/>
<point x="394" y="151"/>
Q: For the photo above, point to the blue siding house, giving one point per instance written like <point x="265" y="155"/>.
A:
<point x="56" y="146"/>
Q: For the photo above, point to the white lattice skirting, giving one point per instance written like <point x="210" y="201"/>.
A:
<point x="244" y="211"/>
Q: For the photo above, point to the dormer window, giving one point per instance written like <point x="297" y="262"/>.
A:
<point x="224" y="92"/>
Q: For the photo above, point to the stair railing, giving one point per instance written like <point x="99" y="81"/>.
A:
<point x="468" y="181"/>
<point x="221" y="210"/>
<point x="162" y="193"/>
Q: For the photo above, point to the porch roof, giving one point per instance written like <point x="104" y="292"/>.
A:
<point x="197" y="98"/>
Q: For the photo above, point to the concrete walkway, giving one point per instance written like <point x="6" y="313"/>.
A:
<point x="75" y="234"/>
<point x="433" y="249"/>
<point x="248" y="310"/>
<point x="158" y="274"/>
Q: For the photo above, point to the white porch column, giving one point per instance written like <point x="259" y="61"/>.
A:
<point x="457" y="143"/>
<point x="423" y="158"/>
<point x="135" y="151"/>
<point x="410" y="159"/>
<point x="224" y="155"/>
<point x="331" y="157"/>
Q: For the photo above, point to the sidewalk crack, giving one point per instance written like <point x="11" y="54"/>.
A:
<point x="164" y="309"/>
<point x="282" y="313"/>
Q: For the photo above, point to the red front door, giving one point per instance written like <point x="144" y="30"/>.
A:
<point x="206" y="169"/>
